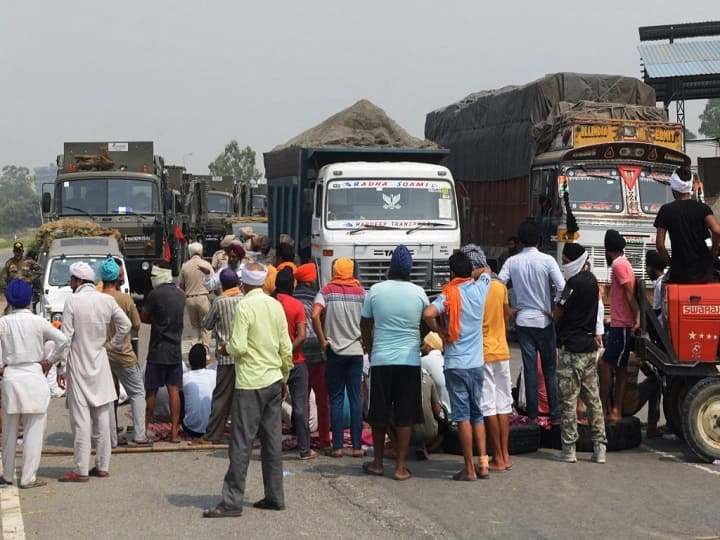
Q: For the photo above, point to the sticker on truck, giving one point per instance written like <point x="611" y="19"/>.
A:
<point x="118" y="147"/>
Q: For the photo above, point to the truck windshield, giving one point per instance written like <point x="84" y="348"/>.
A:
<point x="59" y="275"/>
<point x="654" y="193"/>
<point x="219" y="203"/>
<point x="401" y="204"/>
<point x="97" y="196"/>
<point x="595" y="190"/>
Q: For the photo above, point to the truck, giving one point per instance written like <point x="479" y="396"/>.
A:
<point x="123" y="186"/>
<point x="361" y="203"/>
<point x="578" y="154"/>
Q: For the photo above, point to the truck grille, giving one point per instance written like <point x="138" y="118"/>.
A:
<point x="370" y="272"/>
<point x="635" y="254"/>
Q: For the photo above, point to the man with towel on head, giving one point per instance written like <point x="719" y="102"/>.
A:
<point x="689" y="223"/>
<point x="90" y="388"/>
<point x="25" y="392"/>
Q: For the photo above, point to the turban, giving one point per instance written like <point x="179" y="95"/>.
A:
<point x="401" y="262"/>
<point x="306" y="273"/>
<point x="269" y="283"/>
<point x="578" y="257"/>
<point x="573" y="250"/>
<point x="343" y="268"/>
<point x="228" y="278"/>
<point x="226" y="241"/>
<point x="109" y="270"/>
<point x="614" y="241"/>
<point x="284" y="281"/>
<point x="238" y="249"/>
<point x="654" y="260"/>
<point x="19" y="293"/>
<point x="83" y="271"/>
<point x="160" y="276"/>
<point x="195" y="248"/>
<point x="433" y="341"/>
<point x="476" y="255"/>
<point x="679" y="185"/>
<point x="254" y="278"/>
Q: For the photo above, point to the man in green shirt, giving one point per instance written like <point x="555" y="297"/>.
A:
<point x="262" y="351"/>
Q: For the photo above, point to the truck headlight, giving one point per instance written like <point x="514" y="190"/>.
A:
<point x="145" y="266"/>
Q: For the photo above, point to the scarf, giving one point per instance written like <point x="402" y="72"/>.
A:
<point x="453" y="307"/>
<point x="573" y="267"/>
<point x="232" y="291"/>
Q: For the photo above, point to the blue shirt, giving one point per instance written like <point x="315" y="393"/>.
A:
<point x="467" y="351"/>
<point x="396" y="307"/>
<point x="531" y="273"/>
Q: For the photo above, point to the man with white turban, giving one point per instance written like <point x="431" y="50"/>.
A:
<point x="689" y="222"/>
<point x="90" y="388"/>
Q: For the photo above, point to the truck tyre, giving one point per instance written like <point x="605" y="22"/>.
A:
<point x="701" y="419"/>
<point x="673" y="398"/>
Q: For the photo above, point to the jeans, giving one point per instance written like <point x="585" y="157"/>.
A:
<point x="533" y="340"/>
<point x="344" y="373"/>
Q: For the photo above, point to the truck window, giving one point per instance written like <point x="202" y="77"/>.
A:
<point x="219" y="203"/>
<point x="653" y="193"/>
<point x="318" y="200"/>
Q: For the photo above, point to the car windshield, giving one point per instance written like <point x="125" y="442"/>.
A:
<point x="97" y="196"/>
<point x="654" y="193"/>
<point x="219" y="203"/>
<point x="394" y="203"/>
<point x="59" y="271"/>
<point x="595" y="190"/>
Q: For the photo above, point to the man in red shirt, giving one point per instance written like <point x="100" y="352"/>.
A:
<point x="298" y="381"/>
<point x="624" y="321"/>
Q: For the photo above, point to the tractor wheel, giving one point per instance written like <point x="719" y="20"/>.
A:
<point x="673" y="398"/>
<point x="701" y="419"/>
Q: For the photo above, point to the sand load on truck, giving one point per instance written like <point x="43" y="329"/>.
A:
<point x="69" y="227"/>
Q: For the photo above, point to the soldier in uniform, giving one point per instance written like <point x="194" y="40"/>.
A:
<point x="579" y="334"/>
<point x="25" y="268"/>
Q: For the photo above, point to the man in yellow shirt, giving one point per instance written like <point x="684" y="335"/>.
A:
<point x="262" y="351"/>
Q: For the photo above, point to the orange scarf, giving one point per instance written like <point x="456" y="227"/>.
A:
<point x="345" y="282"/>
<point x="453" y="307"/>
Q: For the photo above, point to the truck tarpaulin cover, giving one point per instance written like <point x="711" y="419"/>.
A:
<point x="363" y="125"/>
<point x="494" y="135"/>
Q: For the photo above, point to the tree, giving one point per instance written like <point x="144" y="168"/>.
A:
<point x="689" y="135"/>
<point x="22" y="209"/>
<point x="236" y="162"/>
<point x="710" y="119"/>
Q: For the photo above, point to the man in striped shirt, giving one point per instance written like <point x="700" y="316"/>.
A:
<point x="219" y="319"/>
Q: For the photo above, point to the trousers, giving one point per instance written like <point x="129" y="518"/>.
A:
<point x="34" y="425"/>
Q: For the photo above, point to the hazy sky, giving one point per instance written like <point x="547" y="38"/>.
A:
<point x="191" y="76"/>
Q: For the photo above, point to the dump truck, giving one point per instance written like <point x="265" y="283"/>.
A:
<point x="123" y="186"/>
<point x="578" y="154"/>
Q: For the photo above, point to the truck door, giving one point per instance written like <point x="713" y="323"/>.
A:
<point x="316" y="227"/>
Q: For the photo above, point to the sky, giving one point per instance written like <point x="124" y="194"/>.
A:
<point x="191" y="76"/>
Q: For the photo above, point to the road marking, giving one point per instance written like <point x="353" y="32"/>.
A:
<point x="698" y="466"/>
<point x="12" y="520"/>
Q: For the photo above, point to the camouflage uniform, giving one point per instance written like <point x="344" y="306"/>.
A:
<point x="577" y="375"/>
<point x="23" y="268"/>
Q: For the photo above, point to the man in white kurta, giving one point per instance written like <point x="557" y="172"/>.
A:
<point x="90" y="388"/>
<point x="25" y="392"/>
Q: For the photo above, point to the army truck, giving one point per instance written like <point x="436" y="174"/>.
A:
<point x="123" y="186"/>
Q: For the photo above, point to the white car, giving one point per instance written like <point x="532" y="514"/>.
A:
<point x="56" y="275"/>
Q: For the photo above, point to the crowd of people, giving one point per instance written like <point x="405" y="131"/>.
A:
<point x="279" y="337"/>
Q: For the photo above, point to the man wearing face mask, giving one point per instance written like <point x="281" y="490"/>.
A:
<point x="578" y="318"/>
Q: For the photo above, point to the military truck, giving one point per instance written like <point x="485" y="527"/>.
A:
<point x="123" y="186"/>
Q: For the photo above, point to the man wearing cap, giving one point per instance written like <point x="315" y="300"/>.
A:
<point x="579" y="335"/>
<point x="191" y="281"/>
<point x="336" y="321"/>
<point x="163" y="310"/>
<point x="261" y="348"/>
<point x="219" y="320"/>
<point x="25" y="392"/>
<point x="90" y="388"/>
<point x="624" y="320"/>
<point x="533" y="275"/>
<point x="220" y="257"/>
<point x="689" y="223"/>
<point x="390" y="327"/>
<point x="20" y="267"/>
<point x="497" y="385"/>
<point x="124" y="363"/>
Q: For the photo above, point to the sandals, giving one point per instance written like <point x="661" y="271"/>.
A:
<point x="483" y="462"/>
<point x="358" y="452"/>
<point x="72" y="476"/>
<point x="97" y="473"/>
<point x="310" y="455"/>
<point x="267" y="504"/>
<point x="37" y="483"/>
<point x="221" y="512"/>
<point x="335" y="452"/>
<point x="408" y="476"/>
<point x="460" y="477"/>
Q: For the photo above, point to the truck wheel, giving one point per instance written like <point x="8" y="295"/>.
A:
<point x="701" y="419"/>
<point x="673" y="398"/>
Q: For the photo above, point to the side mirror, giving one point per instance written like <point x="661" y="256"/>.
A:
<point x="46" y="202"/>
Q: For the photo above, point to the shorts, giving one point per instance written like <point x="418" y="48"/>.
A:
<point x="395" y="396"/>
<point x="465" y="388"/>
<point x="497" y="388"/>
<point x="619" y="344"/>
<point x="157" y="375"/>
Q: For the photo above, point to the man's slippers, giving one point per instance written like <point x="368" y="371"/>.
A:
<point x="367" y="469"/>
<point x="97" y="473"/>
<point x="266" y="504"/>
<point x="72" y="476"/>
<point x="221" y="512"/>
<point x="400" y="478"/>
<point x="460" y="477"/>
<point x="39" y="482"/>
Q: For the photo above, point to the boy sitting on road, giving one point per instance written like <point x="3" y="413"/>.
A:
<point x="198" y="386"/>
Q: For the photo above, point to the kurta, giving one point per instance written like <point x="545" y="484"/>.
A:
<point x="86" y="316"/>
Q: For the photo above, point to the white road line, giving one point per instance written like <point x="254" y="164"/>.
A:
<point x="699" y="466"/>
<point x="13" y="527"/>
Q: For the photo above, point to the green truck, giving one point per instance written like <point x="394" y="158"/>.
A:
<point x="123" y="186"/>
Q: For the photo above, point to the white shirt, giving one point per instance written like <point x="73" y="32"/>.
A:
<point x="433" y="364"/>
<point x="531" y="273"/>
<point x="198" y="386"/>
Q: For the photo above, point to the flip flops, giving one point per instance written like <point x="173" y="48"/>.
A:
<point x="366" y="468"/>
<point x="266" y="504"/>
<point x="402" y="478"/>
<point x="459" y="477"/>
<point x="335" y="453"/>
<point x="97" y="473"/>
<point x="37" y="483"/>
<point x="72" y="476"/>
<point x="310" y="455"/>
<point x="221" y="512"/>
